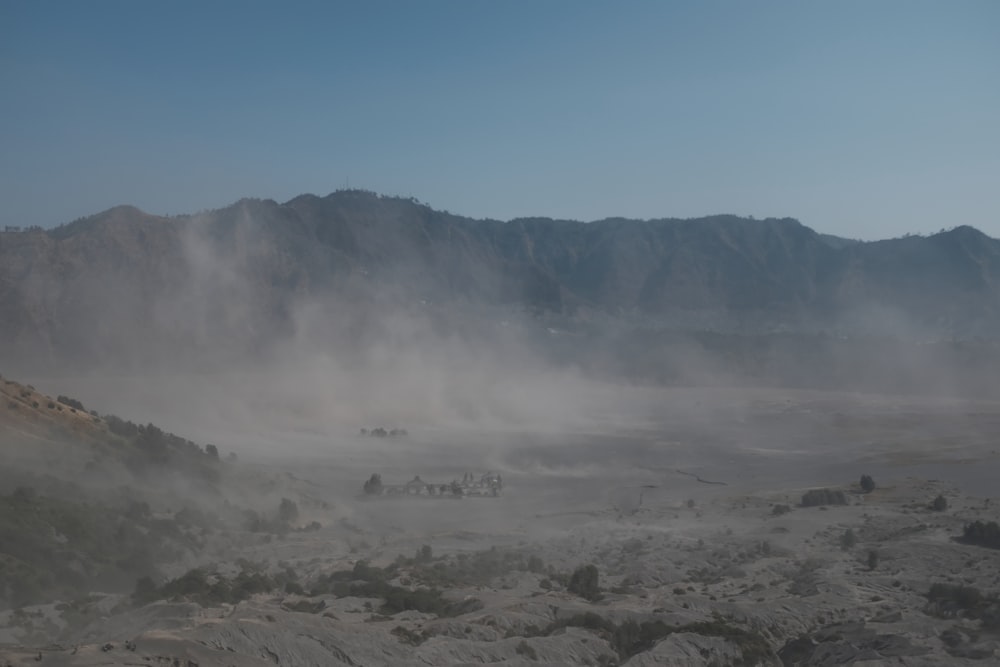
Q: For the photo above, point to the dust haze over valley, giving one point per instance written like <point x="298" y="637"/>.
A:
<point x="323" y="315"/>
<point x="693" y="358"/>
<point x="658" y="398"/>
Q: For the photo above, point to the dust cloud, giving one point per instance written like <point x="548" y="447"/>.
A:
<point x="671" y="461"/>
<point x="259" y="366"/>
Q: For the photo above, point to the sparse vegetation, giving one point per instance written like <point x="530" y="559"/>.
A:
<point x="281" y="522"/>
<point x="819" y="497"/>
<point x="407" y="636"/>
<point x="867" y="483"/>
<point x="951" y="601"/>
<point x="848" y="540"/>
<point x="585" y="582"/>
<point x="71" y="402"/>
<point x="365" y="580"/>
<point x="374" y="484"/>
<point x="638" y="555"/>
<point x="288" y="511"/>
<point x="381" y="432"/>
<point x="54" y="548"/>
<point x="154" y="448"/>
<point x="209" y="589"/>
<point x="980" y="533"/>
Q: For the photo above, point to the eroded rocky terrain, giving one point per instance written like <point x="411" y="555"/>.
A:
<point x="698" y="556"/>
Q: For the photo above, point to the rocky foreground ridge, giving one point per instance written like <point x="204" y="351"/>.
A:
<point x="731" y="580"/>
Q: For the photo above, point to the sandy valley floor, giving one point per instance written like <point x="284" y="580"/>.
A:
<point x="673" y="502"/>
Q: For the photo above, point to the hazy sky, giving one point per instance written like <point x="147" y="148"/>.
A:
<point x="866" y="118"/>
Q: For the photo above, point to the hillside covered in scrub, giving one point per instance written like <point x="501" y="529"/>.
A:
<point x="91" y="502"/>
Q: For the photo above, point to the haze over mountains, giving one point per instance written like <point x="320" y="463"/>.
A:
<point x="532" y="348"/>
<point x="127" y="289"/>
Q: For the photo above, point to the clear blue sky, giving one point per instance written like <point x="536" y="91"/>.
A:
<point x="864" y="118"/>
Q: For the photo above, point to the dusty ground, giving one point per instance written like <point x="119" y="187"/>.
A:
<point x="673" y="501"/>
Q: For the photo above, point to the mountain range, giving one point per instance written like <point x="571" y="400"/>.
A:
<point x="232" y="281"/>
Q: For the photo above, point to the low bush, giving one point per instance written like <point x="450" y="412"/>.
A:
<point x="368" y="581"/>
<point x="966" y="597"/>
<point x="585" y="582"/>
<point x="205" y="588"/>
<point x="982" y="534"/>
<point x="816" y="497"/>
<point x="867" y="483"/>
<point x="778" y="510"/>
<point x="951" y="601"/>
<point x="71" y="402"/>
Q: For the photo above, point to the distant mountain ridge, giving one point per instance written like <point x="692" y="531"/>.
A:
<point x="98" y="285"/>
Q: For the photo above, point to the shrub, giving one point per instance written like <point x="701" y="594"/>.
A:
<point x="965" y="598"/>
<point x="848" y="540"/>
<point x="867" y="483"/>
<point x="196" y="585"/>
<point x="816" y="497"/>
<point x="374" y="484"/>
<point x="778" y="510"/>
<point x="71" y="402"/>
<point x="939" y="504"/>
<point x="872" y="559"/>
<point x="585" y="582"/>
<point x="407" y="636"/>
<point x="982" y="534"/>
